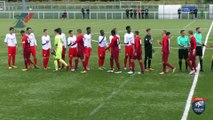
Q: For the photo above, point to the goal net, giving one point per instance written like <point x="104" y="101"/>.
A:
<point x="2" y="6"/>
<point x="130" y="4"/>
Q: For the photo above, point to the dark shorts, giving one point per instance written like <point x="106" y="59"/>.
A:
<point x="148" y="53"/>
<point x="199" y="51"/>
<point x="183" y="54"/>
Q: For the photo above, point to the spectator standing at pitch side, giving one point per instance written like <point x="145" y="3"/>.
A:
<point x="88" y="12"/>
<point x="135" y="13"/>
<point x="179" y="13"/>
<point x="131" y="13"/>
<point x="127" y="13"/>
<point x="146" y="13"/>
<point x="142" y="13"/>
<point x="195" y="12"/>
<point x="83" y="13"/>
<point x="139" y="13"/>
<point x="64" y="15"/>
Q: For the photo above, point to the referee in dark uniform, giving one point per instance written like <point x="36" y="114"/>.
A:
<point x="199" y="49"/>
<point x="148" y="50"/>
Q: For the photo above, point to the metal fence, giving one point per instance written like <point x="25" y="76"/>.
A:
<point x="100" y="15"/>
<point x="93" y="7"/>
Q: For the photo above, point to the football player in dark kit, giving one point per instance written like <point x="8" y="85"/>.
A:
<point x="148" y="50"/>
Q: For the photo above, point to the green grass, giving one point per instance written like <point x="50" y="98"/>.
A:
<point x="44" y="95"/>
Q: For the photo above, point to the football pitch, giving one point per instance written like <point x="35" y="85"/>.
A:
<point x="98" y="95"/>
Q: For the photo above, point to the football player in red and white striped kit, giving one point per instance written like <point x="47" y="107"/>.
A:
<point x="88" y="46"/>
<point x="46" y="46"/>
<point x="64" y="41"/>
<point x="129" y="42"/>
<point x="11" y="42"/>
<point x="73" y="49"/>
<point x="102" y="44"/>
<point x="137" y="54"/>
<point x="33" y="45"/>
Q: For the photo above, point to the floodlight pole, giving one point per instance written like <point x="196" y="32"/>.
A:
<point x="24" y="8"/>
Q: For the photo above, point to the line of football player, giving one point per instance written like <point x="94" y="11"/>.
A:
<point x="80" y="47"/>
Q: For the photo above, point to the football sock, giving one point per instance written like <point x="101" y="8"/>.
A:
<point x="125" y="61"/>
<point x="180" y="64"/>
<point x="25" y="63"/>
<point x="189" y="64"/>
<point x="169" y="65"/>
<point x="99" y="62"/>
<point x="63" y="62"/>
<point x="56" y="64"/>
<point x="9" y="60"/>
<point x="84" y="65"/>
<point x="76" y="63"/>
<point x="130" y="64"/>
<point x="47" y="61"/>
<point x="44" y="62"/>
<point x="212" y="66"/>
<point x="141" y="66"/>
<point x="133" y="66"/>
<point x="164" y="67"/>
<point x="117" y="64"/>
<point x="35" y="60"/>
<point x="13" y="60"/>
<point x="102" y="61"/>
<point x="201" y="64"/>
<point x="111" y="62"/>
<point x="70" y="61"/>
<point x="149" y="63"/>
<point x="194" y="66"/>
<point x="29" y="62"/>
<point x="86" y="61"/>
<point x="186" y="65"/>
<point x="145" y="62"/>
<point x="59" y="65"/>
<point x="63" y="58"/>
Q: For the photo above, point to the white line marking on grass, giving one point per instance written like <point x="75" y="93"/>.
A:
<point x="109" y="97"/>
<point x="96" y="109"/>
<point x="113" y="93"/>
<point x="160" y="29"/>
<point x="107" y="22"/>
<point x="189" y="24"/>
<point x="191" y="93"/>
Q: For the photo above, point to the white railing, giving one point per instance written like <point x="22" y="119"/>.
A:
<point x="99" y="15"/>
<point x="99" y="7"/>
